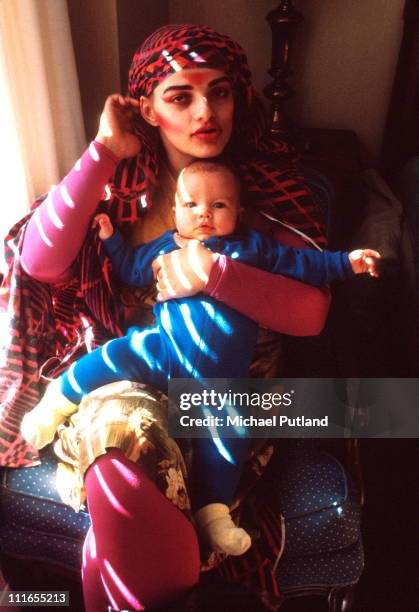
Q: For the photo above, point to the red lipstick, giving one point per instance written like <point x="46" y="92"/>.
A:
<point x="207" y="133"/>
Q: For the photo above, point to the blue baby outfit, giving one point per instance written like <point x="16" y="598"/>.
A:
<point x="194" y="337"/>
<point x="198" y="336"/>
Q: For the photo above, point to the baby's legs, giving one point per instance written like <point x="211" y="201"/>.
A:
<point x="139" y="356"/>
<point x="142" y="551"/>
<point x="214" y="477"/>
<point x="216" y="472"/>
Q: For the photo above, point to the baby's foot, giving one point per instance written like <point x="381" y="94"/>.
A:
<point x="217" y="527"/>
<point x="224" y="536"/>
<point x="39" y="425"/>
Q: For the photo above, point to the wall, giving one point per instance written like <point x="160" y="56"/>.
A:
<point x="94" y="30"/>
<point x="244" y="20"/>
<point x="344" y="60"/>
<point x="136" y="20"/>
<point x="106" y="34"/>
<point x="346" y="65"/>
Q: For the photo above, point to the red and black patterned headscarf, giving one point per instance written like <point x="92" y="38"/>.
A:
<point x="54" y="322"/>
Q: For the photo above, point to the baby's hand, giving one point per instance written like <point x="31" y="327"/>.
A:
<point x="363" y="260"/>
<point x="105" y="226"/>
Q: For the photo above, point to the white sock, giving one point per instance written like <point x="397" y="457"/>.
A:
<point x="39" y="425"/>
<point x="217" y="527"/>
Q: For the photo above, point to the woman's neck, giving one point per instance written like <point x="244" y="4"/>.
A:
<point x="176" y="162"/>
<point x="175" y="159"/>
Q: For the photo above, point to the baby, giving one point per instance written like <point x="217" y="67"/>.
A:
<point x="194" y="337"/>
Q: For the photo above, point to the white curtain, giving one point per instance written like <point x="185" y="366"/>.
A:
<point x="41" y="125"/>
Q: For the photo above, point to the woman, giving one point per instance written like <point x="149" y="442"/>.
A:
<point x="192" y="87"/>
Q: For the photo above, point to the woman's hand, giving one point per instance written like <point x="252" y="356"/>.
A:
<point x="116" y="128"/>
<point x="183" y="272"/>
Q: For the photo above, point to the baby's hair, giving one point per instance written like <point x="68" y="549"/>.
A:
<point x="213" y="165"/>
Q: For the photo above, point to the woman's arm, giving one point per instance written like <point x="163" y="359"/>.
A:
<point x="276" y="302"/>
<point x="282" y="304"/>
<point x="57" y="229"/>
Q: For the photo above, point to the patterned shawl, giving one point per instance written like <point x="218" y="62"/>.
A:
<point x="50" y="326"/>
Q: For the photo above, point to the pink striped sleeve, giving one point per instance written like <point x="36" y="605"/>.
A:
<point x="276" y="302"/>
<point x="57" y="229"/>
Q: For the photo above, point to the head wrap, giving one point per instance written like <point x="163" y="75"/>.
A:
<point x="175" y="47"/>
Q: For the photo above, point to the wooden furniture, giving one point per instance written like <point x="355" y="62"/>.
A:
<point x="283" y="21"/>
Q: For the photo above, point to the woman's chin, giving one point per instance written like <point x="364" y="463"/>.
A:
<point x="205" y="149"/>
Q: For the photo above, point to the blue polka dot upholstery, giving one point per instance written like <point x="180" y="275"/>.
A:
<point x="318" y="501"/>
<point x="35" y="524"/>
<point x="309" y="487"/>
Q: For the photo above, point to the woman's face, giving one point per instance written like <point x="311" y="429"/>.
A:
<point x="193" y="110"/>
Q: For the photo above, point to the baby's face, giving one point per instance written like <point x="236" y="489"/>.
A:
<point x="207" y="204"/>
